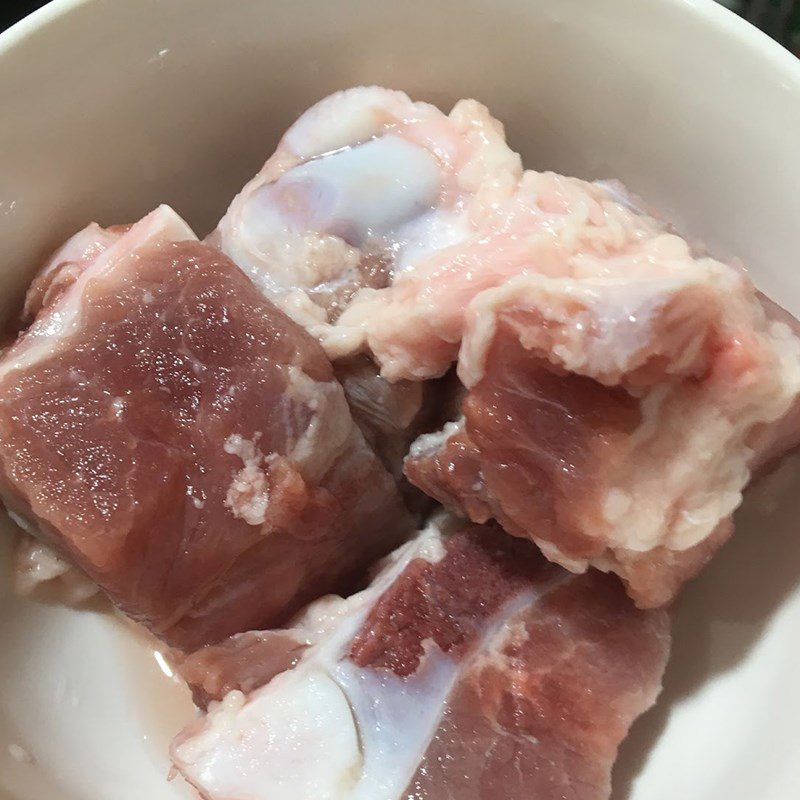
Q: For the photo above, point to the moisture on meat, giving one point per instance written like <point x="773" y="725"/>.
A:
<point x="183" y="442"/>
<point x="470" y="669"/>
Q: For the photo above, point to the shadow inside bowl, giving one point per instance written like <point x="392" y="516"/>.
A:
<point x="722" y="614"/>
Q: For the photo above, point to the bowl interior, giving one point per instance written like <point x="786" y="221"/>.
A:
<point x="111" y="108"/>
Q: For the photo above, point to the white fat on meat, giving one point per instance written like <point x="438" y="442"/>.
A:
<point x="322" y="713"/>
<point x="364" y="185"/>
<point x="248" y="494"/>
<point x="343" y="726"/>
<point x="430" y="443"/>
<point x="36" y="565"/>
<point x="545" y="225"/>
<point x="604" y="328"/>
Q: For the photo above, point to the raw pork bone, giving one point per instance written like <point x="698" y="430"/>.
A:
<point x="361" y="187"/>
<point x="619" y="388"/>
<point x="470" y="669"/>
<point x="186" y="444"/>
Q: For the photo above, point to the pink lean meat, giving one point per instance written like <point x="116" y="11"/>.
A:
<point x="470" y="669"/>
<point x="185" y="443"/>
<point x="615" y="410"/>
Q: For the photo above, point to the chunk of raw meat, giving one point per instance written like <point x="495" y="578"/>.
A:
<point x="470" y="669"/>
<point x="626" y="447"/>
<point x="362" y="186"/>
<point x="186" y="444"/>
<point x="619" y="386"/>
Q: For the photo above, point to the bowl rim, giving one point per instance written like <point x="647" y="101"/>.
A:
<point x="704" y="12"/>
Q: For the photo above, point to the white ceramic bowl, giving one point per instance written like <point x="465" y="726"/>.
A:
<point x="109" y="107"/>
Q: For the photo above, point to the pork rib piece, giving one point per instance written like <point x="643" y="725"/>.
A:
<point x="186" y="444"/>
<point x="639" y="471"/>
<point x="470" y="669"/>
<point x="618" y="385"/>
<point x="362" y="186"/>
<point x="642" y="379"/>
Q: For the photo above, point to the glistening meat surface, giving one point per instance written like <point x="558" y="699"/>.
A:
<point x="186" y="444"/>
<point x="620" y="387"/>
<point x="617" y="421"/>
<point x="470" y="669"/>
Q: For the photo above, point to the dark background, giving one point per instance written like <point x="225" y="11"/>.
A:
<point x="12" y="10"/>
<point x="779" y="18"/>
